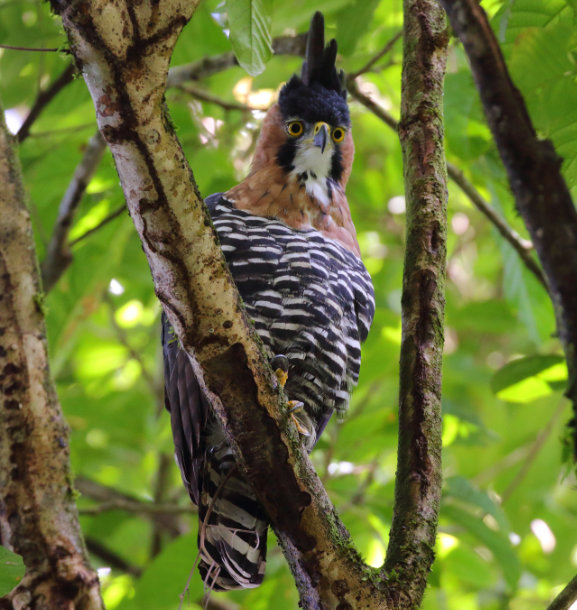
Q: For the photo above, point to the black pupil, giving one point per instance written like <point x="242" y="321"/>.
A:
<point x="295" y="128"/>
<point x="338" y="134"/>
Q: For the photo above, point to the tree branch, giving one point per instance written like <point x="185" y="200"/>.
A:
<point x="111" y="498"/>
<point x="208" y="66"/>
<point x="125" y="69"/>
<point x="533" y="167"/>
<point x="36" y="500"/>
<point x="58" y="255"/>
<point x="566" y="598"/>
<point x="204" y="96"/>
<point x="390" y="44"/>
<point x="111" y="558"/>
<point x="44" y="98"/>
<point x="521" y="246"/>
<point x="418" y="481"/>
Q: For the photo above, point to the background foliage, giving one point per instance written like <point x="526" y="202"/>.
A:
<point x="507" y="535"/>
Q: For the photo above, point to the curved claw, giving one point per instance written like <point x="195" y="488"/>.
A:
<point x="280" y="365"/>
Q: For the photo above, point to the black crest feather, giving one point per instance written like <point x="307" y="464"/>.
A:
<point x="320" y="93"/>
<point x="319" y="65"/>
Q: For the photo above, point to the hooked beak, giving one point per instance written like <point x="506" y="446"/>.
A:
<point x="321" y="135"/>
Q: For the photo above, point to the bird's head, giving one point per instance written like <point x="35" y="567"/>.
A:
<point x="308" y="131"/>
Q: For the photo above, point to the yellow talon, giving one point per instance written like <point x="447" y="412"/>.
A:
<point x="282" y="377"/>
<point x="296" y="406"/>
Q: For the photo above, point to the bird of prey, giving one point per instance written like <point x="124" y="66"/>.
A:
<point x="291" y="246"/>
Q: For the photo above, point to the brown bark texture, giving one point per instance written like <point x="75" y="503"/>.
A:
<point x="534" y="170"/>
<point x="124" y="50"/>
<point x="418" y="490"/>
<point x="38" y="517"/>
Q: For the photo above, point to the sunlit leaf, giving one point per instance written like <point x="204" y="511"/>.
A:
<point x="525" y="379"/>
<point x="250" y="22"/>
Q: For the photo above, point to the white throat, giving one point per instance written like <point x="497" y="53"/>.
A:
<point x="312" y="168"/>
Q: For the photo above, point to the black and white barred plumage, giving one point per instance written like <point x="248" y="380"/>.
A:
<point x="309" y="299"/>
<point x="290" y="243"/>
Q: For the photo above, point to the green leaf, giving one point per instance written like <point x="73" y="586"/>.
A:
<point x="250" y="32"/>
<point x="11" y="570"/>
<point x="352" y="23"/>
<point x="462" y="489"/>
<point x="165" y="578"/>
<point x="497" y="542"/>
<point x="529" y="378"/>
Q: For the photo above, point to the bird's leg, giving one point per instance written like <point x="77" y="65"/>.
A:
<point x="296" y="408"/>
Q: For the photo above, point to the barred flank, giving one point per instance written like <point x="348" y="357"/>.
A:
<point x="310" y="299"/>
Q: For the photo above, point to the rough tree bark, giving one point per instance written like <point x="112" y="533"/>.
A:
<point x="417" y="494"/>
<point x="534" y="170"/>
<point x="124" y="50"/>
<point x="38" y="517"/>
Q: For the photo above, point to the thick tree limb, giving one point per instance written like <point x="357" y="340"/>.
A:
<point x="534" y="169"/>
<point x="124" y="50"/>
<point x="418" y="483"/>
<point x="38" y="517"/>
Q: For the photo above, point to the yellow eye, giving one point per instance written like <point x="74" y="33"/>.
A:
<point x="338" y="134"/>
<point x="295" y="128"/>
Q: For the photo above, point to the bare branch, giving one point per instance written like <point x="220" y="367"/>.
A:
<point x="204" y="96"/>
<point x="208" y="66"/>
<point x="567" y="597"/>
<point x="58" y="255"/>
<point x="44" y="98"/>
<point x="37" y="510"/>
<point x="110" y="217"/>
<point x="122" y="337"/>
<point x="521" y="246"/>
<point x="108" y="496"/>
<point x="533" y="452"/>
<point x="111" y="558"/>
<point x="34" y="49"/>
<point x="534" y="170"/>
<point x="387" y="48"/>
<point x="418" y="480"/>
<point x="139" y="508"/>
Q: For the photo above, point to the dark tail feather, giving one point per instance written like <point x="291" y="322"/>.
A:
<point x="233" y="527"/>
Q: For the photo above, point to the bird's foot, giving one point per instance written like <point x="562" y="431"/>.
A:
<point x="297" y="412"/>
<point x="280" y="365"/>
<point x="296" y="408"/>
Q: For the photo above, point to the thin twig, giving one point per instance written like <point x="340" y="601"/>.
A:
<point x="522" y="246"/>
<point x="112" y="559"/>
<point x="283" y="45"/>
<point x="114" y="214"/>
<point x="567" y="597"/>
<point x="533" y="452"/>
<point x="58" y="255"/>
<point x="109" y="496"/>
<point x="390" y="44"/>
<point x="43" y="99"/>
<point x="142" y="508"/>
<point x="134" y="354"/>
<point x="35" y="49"/>
<point x="165" y="463"/>
<point x="213" y="99"/>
